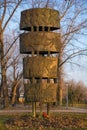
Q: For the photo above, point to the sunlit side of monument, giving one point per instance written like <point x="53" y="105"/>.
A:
<point x="43" y="45"/>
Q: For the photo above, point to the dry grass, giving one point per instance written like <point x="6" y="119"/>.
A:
<point x="54" y="122"/>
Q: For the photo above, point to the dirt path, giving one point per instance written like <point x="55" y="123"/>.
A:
<point x="68" y="110"/>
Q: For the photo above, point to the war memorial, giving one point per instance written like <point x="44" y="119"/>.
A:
<point x="42" y="44"/>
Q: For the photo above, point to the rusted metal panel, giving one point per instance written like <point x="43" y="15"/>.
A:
<point x="40" y="41"/>
<point x="39" y="17"/>
<point x="40" y="66"/>
<point x="44" y="92"/>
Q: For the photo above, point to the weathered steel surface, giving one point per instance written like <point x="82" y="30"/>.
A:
<point x="40" y="41"/>
<point x="44" y="92"/>
<point x="39" y="17"/>
<point x="40" y="66"/>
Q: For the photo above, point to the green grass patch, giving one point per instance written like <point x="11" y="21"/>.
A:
<point x="3" y="119"/>
<point x="83" y="106"/>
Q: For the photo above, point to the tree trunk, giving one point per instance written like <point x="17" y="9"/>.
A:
<point x="59" y="81"/>
<point x="3" y="89"/>
<point x="60" y="100"/>
<point x="14" y="91"/>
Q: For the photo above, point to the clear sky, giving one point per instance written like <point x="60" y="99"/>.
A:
<point x="78" y="73"/>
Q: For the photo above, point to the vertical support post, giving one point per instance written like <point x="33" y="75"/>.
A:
<point x="34" y="109"/>
<point x="48" y="104"/>
<point x="33" y="103"/>
<point x="41" y="103"/>
<point x="48" y="108"/>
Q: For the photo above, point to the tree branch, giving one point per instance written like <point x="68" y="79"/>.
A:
<point x="72" y="55"/>
<point x="11" y="14"/>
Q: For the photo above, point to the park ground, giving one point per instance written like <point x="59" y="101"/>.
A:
<point x="61" y="118"/>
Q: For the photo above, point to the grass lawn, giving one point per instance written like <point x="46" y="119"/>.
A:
<point x="57" y="121"/>
<point x="3" y="118"/>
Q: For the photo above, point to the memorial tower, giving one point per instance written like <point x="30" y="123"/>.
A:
<point x="42" y="43"/>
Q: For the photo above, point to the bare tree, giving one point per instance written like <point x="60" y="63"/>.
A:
<point x="74" y="25"/>
<point x="7" y="9"/>
<point x="13" y="65"/>
<point x="76" y="93"/>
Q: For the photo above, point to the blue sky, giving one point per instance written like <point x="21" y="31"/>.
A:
<point x="78" y="73"/>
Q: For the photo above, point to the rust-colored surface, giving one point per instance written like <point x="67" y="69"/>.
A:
<point x="39" y="17"/>
<point x="40" y="41"/>
<point x="40" y="66"/>
<point x="44" y="92"/>
<point x="42" y="45"/>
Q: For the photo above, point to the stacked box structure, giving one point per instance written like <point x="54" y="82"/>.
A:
<point x="41" y="42"/>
